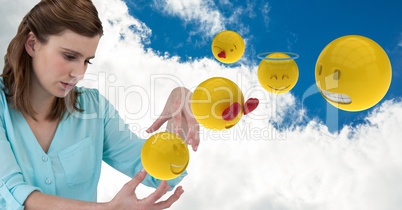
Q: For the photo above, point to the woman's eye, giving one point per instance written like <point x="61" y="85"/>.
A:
<point x="88" y="62"/>
<point x="69" y="57"/>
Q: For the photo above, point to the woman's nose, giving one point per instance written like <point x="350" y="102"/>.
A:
<point x="79" y="71"/>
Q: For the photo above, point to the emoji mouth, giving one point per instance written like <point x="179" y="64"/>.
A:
<point x="280" y="88"/>
<point x="178" y="169"/>
<point x="337" y="97"/>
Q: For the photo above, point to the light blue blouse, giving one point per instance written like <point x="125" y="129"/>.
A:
<point x="71" y="167"/>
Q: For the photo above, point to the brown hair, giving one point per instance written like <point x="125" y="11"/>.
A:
<point x="48" y="17"/>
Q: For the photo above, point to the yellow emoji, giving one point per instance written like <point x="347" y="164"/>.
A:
<point x="165" y="155"/>
<point x="278" y="72"/>
<point x="218" y="103"/>
<point x="227" y="46"/>
<point x="353" y="73"/>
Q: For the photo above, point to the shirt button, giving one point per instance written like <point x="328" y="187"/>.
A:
<point x="48" y="181"/>
<point x="44" y="158"/>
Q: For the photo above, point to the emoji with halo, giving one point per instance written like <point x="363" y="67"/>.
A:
<point x="278" y="72"/>
<point x="227" y="46"/>
<point x="353" y="73"/>
<point x="165" y="156"/>
<point x="218" y="103"/>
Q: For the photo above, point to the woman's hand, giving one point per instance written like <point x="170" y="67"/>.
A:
<point x="127" y="199"/>
<point x="180" y="118"/>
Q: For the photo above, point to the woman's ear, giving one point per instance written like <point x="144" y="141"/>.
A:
<point x="30" y="43"/>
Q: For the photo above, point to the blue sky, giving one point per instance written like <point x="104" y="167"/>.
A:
<point x="285" y="26"/>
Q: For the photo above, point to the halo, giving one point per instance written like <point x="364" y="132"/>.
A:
<point x="292" y="56"/>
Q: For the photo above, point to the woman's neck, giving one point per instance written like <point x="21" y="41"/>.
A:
<point x="41" y="103"/>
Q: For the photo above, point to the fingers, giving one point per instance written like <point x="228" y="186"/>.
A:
<point x="193" y="136"/>
<point x="173" y="198"/>
<point x="177" y="125"/>
<point x="173" y="107"/>
<point x="180" y="118"/>
<point x="193" y="133"/>
<point x="158" y="122"/>
<point x="138" y="178"/>
<point x="159" y="192"/>
<point x="127" y="199"/>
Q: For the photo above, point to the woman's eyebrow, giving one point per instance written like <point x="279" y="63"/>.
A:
<point x="76" y="53"/>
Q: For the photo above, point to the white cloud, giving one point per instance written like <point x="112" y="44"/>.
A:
<point x="250" y="9"/>
<point x="265" y="9"/>
<point x="305" y="170"/>
<point x="207" y="16"/>
<point x="253" y="165"/>
<point x="225" y="3"/>
<point x="291" y="40"/>
<point x="200" y="12"/>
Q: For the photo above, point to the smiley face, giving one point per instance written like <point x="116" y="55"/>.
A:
<point x="227" y="46"/>
<point x="353" y="73"/>
<point x="212" y="98"/>
<point x="165" y="155"/>
<point x="278" y="73"/>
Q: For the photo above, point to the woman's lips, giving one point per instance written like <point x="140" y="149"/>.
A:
<point x="67" y="86"/>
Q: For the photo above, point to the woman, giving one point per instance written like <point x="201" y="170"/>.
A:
<point x="54" y="135"/>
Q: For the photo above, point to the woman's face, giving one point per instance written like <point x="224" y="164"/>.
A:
<point x="61" y="62"/>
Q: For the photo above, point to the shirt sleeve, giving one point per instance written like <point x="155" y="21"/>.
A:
<point x="122" y="148"/>
<point x="13" y="189"/>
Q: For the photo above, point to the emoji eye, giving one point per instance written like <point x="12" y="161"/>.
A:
<point x="320" y="71"/>
<point x="274" y="76"/>
<point x="337" y="74"/>
<point x="285" y="76"/>
<point x="231" y="50"/>
<point x="176" y="149"/>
